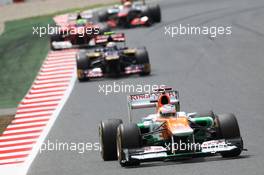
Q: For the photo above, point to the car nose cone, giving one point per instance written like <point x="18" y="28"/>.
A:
<point x="182" y="130"/>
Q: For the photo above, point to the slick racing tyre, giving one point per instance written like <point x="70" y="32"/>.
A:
<point x="55" y="38"/>
<point x="143" y="59"/>
<point x="104" y="28"/>
<point x="102" y="16"/>
<point x="128" y="137"/>
<point x="229" y="130"/>
<point x="155" y="13"/>
<point x="107" y="135"/>
<point x="83" y="63"/>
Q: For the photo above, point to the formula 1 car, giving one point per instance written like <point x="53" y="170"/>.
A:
<point x="79" y="30"/>
<point x="131" y="14"/>
<point x="168" y="134"/>
<point x="112" y="60"/>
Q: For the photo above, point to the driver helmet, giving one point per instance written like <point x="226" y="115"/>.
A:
<point x="167" y="110"/>
<point x="111" y="45"/>
<point x="81" y="22"/>
<point x="127" y="4"/>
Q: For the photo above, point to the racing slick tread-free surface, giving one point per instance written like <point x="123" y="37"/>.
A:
<point x="107" y="133"/>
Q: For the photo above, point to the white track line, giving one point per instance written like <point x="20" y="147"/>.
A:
<point x="14" y="154"/>
<point x="24" y="130"/>
<point x="17" y="147"/>
<point x="26" y="124"/>
<point x="41" y="91"/>
<point x="37" y="105"/>
<point x="18" y="136"/>
<point x="30" y="119"/>
<point x="50" y="85"/>
<point x="35" y="101"/>
<point x="21" y="142"/>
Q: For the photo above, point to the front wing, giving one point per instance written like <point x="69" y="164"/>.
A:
<point x="60" y="45"/>
<point x="160" y="153"/>
<point x="98" y="73"/>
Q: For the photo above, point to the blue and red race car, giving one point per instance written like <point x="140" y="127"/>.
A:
<point x="112" y="59"/>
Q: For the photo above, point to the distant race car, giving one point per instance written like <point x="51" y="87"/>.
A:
<point x="111" y="59"/>
<point x="78" y="31"/>
<point x="168" y="134"/>
<point x="131" y="14"/>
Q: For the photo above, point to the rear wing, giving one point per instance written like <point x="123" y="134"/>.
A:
<point x="109" y="37"/>
<point x="149" y="100"/>
<point x="143" y="1"/>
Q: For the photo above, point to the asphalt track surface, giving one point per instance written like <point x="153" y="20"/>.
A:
<point x="224" y="74"/>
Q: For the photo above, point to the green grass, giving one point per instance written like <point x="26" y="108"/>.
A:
<point x="21" y="56"/>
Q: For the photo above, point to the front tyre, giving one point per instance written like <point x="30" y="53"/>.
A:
<point x="155" y="13"/>
<point x="107" y="135"/>
<point x="83" y="63"/>
<point x="142" y="58"/>
<point x="228" y="129"/>
<point x="128" y="137"/>
<point x="104" y="28"/>
<point x="103" y="16"/>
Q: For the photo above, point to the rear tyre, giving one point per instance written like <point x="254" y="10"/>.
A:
<point x="104" y="28"/>
<point x="83" y="63"/>
<point x="155" y="13"/>
<point x="102" y="16"/>
<point x="142" y="58"/>
<point x="128" y="137"/>
<point x="229" y="130"/>
<point x="107" y="135"/>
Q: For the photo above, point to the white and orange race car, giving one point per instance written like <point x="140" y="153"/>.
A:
<point x="168" y="134"/>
